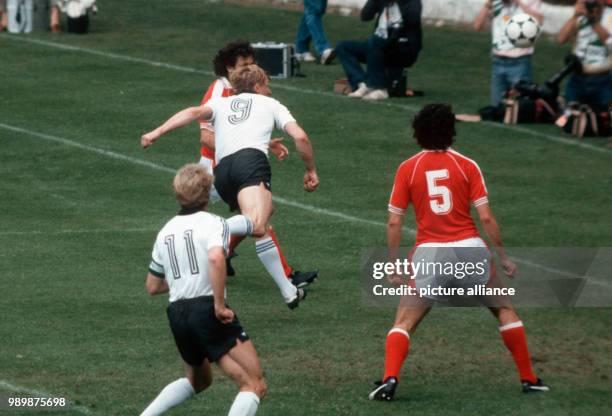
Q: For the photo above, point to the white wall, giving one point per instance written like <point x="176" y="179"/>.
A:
<point x="464" y="11"/>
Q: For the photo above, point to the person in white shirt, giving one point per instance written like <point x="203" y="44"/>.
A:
<point x="510" y="64"/>
<point x="188" y="261"/>
<point x="591" y="24"/>
<point x="243" y="126"/>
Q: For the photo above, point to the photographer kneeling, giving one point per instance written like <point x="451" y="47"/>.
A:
<point x="396" y="43"/>
<point x="592" y="26"/>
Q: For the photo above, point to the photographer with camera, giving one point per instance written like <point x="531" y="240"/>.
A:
<point x="591" y="24"/>
<point x="396" y="43"/>
<point x="510" y="64"/>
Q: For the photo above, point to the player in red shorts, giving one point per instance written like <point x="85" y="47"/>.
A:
<point x="442" y="184"/>
<point x="233" y="56"/>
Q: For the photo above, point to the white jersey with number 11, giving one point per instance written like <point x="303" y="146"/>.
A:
<point x="180" y="254"/>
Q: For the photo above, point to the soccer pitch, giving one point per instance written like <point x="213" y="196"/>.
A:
<point x="81" y="205"/>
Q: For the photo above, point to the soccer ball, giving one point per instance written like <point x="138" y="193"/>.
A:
<point x="522" y="30"/>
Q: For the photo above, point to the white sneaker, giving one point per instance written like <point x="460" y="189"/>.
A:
<point x="305" y="57"/>
<point x="327" y="56"/>
<point x="375" y="95"/>
<point x="361" y="90"/>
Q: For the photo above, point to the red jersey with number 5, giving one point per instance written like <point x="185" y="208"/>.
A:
<point x="441" y="185"/>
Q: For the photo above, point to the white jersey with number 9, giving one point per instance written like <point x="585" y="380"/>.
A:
<point x="245" y="121"/>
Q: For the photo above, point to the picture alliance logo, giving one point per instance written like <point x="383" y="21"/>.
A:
<point x="458" y="270"/>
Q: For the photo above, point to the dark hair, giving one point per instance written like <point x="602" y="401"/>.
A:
<point x="229" y="55"/>
<point x="434" y="126"/>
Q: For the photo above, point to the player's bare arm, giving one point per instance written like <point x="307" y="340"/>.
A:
<point x="278" y="149"/>
<point x="491" y="229"/>
<point x="569" y="29"/>
<point x="207" y="138"/>
<point x="155" y="285"/>
<point x="394" y="239"/>
<point x="483" y="16"/>
<point x="218" y="274"/>
<point x="180" y="119"/>
<point x="304" y="148"/>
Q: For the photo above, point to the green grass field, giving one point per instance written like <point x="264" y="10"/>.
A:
<point x="79" y="212"/>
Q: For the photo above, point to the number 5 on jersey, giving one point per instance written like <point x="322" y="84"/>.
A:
<point x="437" y="192"/>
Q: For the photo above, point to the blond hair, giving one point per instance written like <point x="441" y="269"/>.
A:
<point x="245" y="78"/>
<point x="192" y="186"/>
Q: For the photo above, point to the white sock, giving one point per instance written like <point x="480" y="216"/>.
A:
<point x="240" y="225"/>
<point x="172" y="395"/>
<point x="269" y="256"/>
<point x="245" y="404"/>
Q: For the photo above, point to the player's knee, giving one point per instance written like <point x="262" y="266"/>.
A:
<point x="505" y="314"/>
<point x="259" y="229"/>
<point x="200" y="384"/>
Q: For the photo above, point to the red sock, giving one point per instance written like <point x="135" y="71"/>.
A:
<point x="514" y="337"/>
<point x="234" y="241"/>
<point x="286" y="267"/>
<point x="396" y="351"/>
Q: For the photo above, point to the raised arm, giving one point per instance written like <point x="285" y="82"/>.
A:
<point x="531" y="11"/>
<point x="371" y="9"/>
<point x="304" y="148"/>
<point x="180" y="119"/>
<point x="483" y="16"/>
<point x="491" y="229"/>
<point x="570" y="27"/>
<point x="218" y="274"/>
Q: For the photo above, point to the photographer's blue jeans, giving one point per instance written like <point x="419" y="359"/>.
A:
<point x="311" y="27"/>
<point x="507" y="72"/>
<point x="352" y="53"/>
<point x="594" y="90"/>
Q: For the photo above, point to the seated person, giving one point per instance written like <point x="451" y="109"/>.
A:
<point x="396" y="42"/>
<point x="591" y="24"/>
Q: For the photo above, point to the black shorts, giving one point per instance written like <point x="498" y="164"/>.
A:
<point x="198" y="333"/>
<point x="246" y="167"/>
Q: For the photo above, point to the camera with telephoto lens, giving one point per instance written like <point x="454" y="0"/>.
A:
<point x="549" y="91"/>
<point x="591" y="5"/>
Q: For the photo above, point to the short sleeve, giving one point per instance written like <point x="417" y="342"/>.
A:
<point x="213" y="104"/>
<point x="282" y="116"/>
<point x="400" y="194"/>
<point x="478" y="189"/>
<point x="156" y="267"/>
<point x="205" y="124"/>
<point x="219" y="235"/>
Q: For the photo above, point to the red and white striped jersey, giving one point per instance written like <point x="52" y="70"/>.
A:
<point x="221" y="87"/>
<point x="441" y="185"/>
